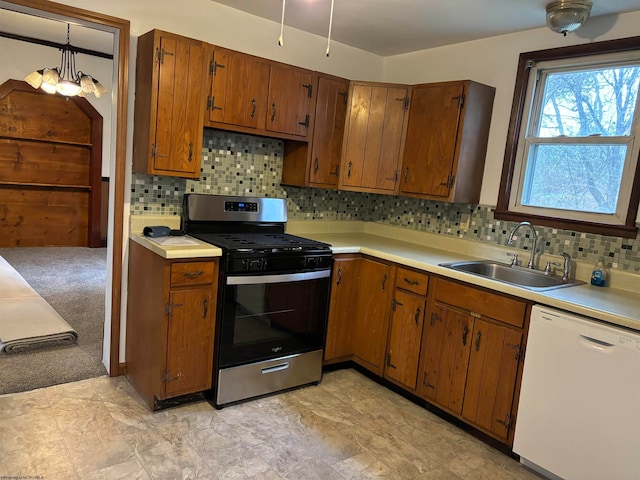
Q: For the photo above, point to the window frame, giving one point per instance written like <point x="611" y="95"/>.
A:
<point x="511" y="164"/>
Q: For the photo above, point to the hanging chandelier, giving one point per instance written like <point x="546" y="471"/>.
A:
<point x="64" y="79"/>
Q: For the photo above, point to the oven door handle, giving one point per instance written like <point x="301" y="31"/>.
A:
<point x="279" y="278"/>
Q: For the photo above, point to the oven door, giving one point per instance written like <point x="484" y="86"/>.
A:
<point x="269" y="316"/>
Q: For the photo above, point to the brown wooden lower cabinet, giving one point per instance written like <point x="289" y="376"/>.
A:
<point x="455" y="345"/>
<point x="359" y="311"/>
<point x="170" y="324"/>
<point x="371" y="322"/>
<point x="345" y="282"/>
<point x="472" y="346"/>
<point x="405" y="329"/>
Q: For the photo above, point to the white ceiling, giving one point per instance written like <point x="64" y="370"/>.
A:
<point x="383" y="27"/>
<point x="390" y="27"/>
<point x="55" y="31"/>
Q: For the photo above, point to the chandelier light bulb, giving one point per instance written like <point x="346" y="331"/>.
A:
<point x="64" y="79"/>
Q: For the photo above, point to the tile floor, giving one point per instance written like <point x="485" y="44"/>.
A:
<point x="346" y="428"/>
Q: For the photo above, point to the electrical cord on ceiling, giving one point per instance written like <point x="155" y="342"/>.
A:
<point x="281" y="39"/>
<point x="330" y="25"/>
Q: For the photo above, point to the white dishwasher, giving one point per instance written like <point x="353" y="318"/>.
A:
<point x="579" y="411"/>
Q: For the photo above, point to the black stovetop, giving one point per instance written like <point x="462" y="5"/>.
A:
<point x="266" y="242"/>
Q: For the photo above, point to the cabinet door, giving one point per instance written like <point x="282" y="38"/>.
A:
<point x="491" y="381"/>
<point x="446" y="349"/>
<point x="328" y="131"/>
<point x="374" y="132"/>
<point x="289" y="103"/>
<point x="429" y="158"/>
<point x="189" y="341"/>
<point x="178" y="131"/>
<point x="345" y="283"/>
<point x="371" y="320"/>
<point x="239" y="88"/>
<point x="405" y="336"/>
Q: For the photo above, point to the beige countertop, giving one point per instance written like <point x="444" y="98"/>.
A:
<point x="178" y="247"/>
<point x="618" y="304"/>
<point x="612" y="305"/>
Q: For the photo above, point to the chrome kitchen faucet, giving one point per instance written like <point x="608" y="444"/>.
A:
<point x="534" y="236"/>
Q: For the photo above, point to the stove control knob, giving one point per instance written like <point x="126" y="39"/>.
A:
<point x="311" y="262"/>
<point x="245" y="264"/>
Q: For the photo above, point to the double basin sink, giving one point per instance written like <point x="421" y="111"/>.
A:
<point x="513" y="275"/>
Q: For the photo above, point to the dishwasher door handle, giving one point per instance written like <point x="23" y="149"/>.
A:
<point x="596" y="342"/>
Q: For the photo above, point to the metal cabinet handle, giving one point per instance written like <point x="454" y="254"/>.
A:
<point x="190" y="151"/>
<point x="316" y="165"/>
<point x="339" y="277"/>
<point x="205" y="305"/>
<point x="273" y="108"/>
<point x="406" y="175"/>
<point x="192" y="275"/>
<point x="411" y="282"/>
<point x="417" y="316"/>
<point x="350" y="164"/>
<point x="478" y="340"/>
<point x="465" y="332"/>
<point x="253" y="108"/>
<point x="384" y="282"/>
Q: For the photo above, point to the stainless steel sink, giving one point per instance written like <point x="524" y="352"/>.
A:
<point x="519" y="276"/>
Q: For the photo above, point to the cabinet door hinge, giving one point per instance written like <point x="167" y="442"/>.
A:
<point x="518" y="350"/>
<point x="214" y="66"/>
<point x="168" y="308"/>
<point x="389" y="364"/>
<point x="154" y="152"/>
<point x="460" y="99"/>
<point x="309" y="88"/>
<point x="394" y="304"/>
<point x="449" y="182"/>
<point x="211" y="103"/>
<point x="425" y="381"/>
<point x="160" y="53"/>
<point x="405" y="102"/>
<point x="166" y="377"/>
<point x="507" y="423"/>
<point x="305" y="124"/>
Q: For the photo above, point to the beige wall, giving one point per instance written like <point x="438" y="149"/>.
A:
<point x="494" y="61"/>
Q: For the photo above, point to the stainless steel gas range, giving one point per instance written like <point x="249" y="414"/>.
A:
<point x="273" y="298"/>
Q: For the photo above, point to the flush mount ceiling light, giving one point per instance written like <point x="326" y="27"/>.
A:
<point x="564" y="16"/>
<point x="64" y="79"/>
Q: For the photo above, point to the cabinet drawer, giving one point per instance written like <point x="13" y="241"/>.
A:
<point x="191" y="273"/>
<point x="412" y="281"/>
<point x="486" y="304"/>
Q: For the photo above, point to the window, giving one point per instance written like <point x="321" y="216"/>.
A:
<point x="574" y="139"/>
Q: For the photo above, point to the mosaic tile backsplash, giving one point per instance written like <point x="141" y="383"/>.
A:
<point x="236" y="164"/>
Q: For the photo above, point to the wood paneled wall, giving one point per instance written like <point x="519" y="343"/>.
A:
<point x="50" y="169"/>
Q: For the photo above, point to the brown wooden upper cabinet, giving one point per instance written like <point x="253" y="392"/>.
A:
<point x="239" y="85"/>
<point x="374" y="137"/>
<point x="446" y="141"/>
<point x="317" y="163"/>
<point x="291" y="101"/>
<point x="170" y="87"/>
